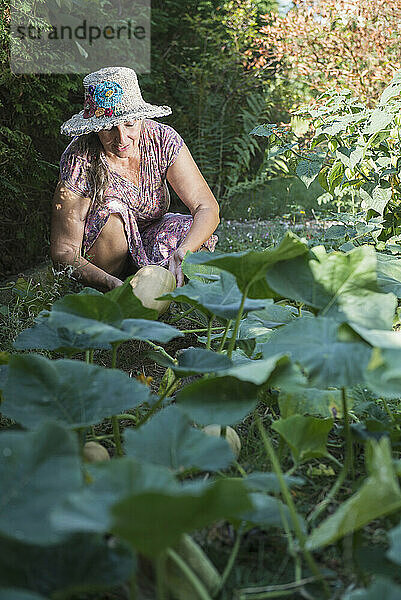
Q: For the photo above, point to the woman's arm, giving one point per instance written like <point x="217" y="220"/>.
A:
<point x="67" y="230"/>
<point x="189" y="184"/>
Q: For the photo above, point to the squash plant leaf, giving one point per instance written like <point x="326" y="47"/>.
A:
<point x="18" y="594"/>
<point x="250" y="267"/>
<point x="267" y="512"/>
<point x="69" y="392"/>
<point x="223" y="400"/>
<point x="315" y="344"/>
<point x="382" y="588"/>
<point x="394" y="552"/>
<point x="37" y="471"/>
<point x="131" y="307"/>
<point x="389" y="274"/>
<point x="57" y="338"/>
<point x="169" y="440"/>
<point x="88" y="509"/>
<point x="340" y="285"/>
<point x="257" y="371"/>
<point x="83" y="563"/>
<point x="378" y="496"/>
<point x="311" y="401"/>
<point x="221" y="298"/>
<point x="193" y="361"/>
<point x="383" y="373"/>
<point x="306" y="436"/>
<point x="137" y="519"/>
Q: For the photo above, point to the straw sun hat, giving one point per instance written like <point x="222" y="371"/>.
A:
<point x="112" y="96"/>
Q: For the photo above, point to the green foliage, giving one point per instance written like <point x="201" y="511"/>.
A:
<point x="354" y="152"/>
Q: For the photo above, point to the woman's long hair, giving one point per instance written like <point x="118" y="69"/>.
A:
<point x="90" y="146"/>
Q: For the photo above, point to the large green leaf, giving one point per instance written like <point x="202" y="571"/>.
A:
<point x="193" y="361"/>
<point x="389" y="273"/>
<point x="131" y="307"/>
<point x="88" y="510"/>
<point x="267" y="512"/>
<point x="378" y="496"/>
<point x="59" y="338"/>
<point x="340" y="285"/>
<point x="221" y="297"/>
<point x="315" y="344"/>
<point x="383" y="374"/>
<point x="311" y="401"/>
<point x="250" y="267"/>
<point x="37" y="471"/>
<point x="151" y="522"/>
<point x="83" y="563"/>
<point x="18" y="594"/>
<point x="394" y="552"/>
<point x="169" y="440"/>
<point x="70" y="392"/>
<point x="90" y="306"/>
<point x="306" y="436"/>
<point x="257" y="371"/>
<point x="222" y="400"/>
<point x="380" y="588"/>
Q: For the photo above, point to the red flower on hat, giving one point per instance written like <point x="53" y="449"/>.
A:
<point x="108" y="112"/>
<point x="89" y="107"/>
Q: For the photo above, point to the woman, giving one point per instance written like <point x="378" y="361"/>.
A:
<point x="110" y="205"/>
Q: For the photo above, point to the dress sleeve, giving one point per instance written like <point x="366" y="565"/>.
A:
<point x="172" y="143"/>
<point x="74" y="173"/>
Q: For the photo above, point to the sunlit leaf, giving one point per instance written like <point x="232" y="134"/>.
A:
<point x="306" y="436"/>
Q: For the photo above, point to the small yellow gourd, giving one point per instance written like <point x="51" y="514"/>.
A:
<point x="94" y="452"/>
<point x="231" y="436"/>
<point x="149" y="283"/>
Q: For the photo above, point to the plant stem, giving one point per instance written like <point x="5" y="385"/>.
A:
<point x="126" y="416"/>
<point x="114" y="420"/>
<point x="237" y="323"/>
<point x="345" y="468"/>
<point x="201" y="330"/>
<point x="157" y="404"/>
<point x="231" y="561"/>
<point x="197" y="585"/>
<point x="160" y="568"/>
<point x="225" y="334"/>
<point x="291" y="507"/>
<point x="162" y="351"/>
<point x="209" y="331"/>
<point x="182" y="315"/>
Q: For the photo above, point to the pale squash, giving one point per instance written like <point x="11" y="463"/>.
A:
<point x="149" y="283"/>
<point x="231" y="436"/>
<point x="94" y="452"/>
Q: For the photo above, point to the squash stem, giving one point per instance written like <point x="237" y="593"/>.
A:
<point x="224" y="338"/>
<point x="345" y="468"/>
<point x="160" y="568"/>
<point x="158" y="404"/>
<point x="291" y="507"/>
<point x="209" y="331"/>
<point x="114" y="420"/>
<point x="197" y="585"/>
<point x="237" y="323"/>
<point x="231" y="561"/>
<point x="182" y="315"/>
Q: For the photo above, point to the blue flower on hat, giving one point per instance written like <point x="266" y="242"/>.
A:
<point x="107" y="94"/>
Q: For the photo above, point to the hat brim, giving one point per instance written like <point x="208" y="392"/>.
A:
<point x="77" y="125"/>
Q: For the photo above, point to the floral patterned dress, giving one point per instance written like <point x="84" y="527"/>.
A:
<point x="152" y="232"/>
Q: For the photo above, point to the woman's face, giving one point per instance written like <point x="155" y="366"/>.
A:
<point x="119" y="140"/>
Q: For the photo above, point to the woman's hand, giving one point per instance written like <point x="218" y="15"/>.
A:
<point x="175" y="265"/>
<point x="113" y="282"/>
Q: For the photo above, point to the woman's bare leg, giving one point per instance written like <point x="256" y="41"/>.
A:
<point x="110" y="251"/>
